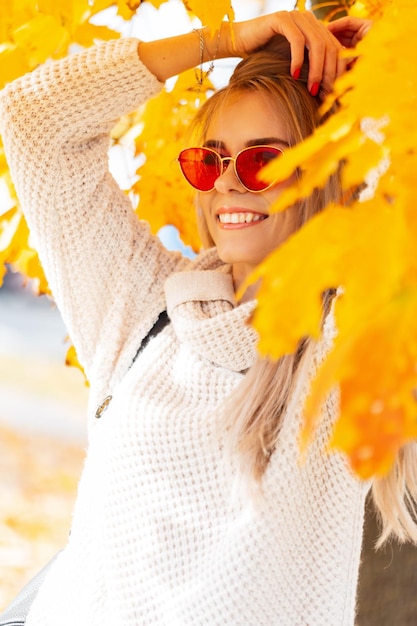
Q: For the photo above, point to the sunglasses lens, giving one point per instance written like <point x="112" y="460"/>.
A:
<point x="250" y="162"/>
<point x="201" y="167"/>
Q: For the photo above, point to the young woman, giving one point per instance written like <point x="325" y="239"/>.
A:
<point x="193" y="507"/>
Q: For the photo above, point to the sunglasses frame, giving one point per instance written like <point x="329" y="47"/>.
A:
<point x="222" y="169"/>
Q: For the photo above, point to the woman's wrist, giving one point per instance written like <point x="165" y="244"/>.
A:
<point x="173" y="55"/>
<point x="219" y="42"/>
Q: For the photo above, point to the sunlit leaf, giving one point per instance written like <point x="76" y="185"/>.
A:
<point x="211" y="13"/>
<point x="164" y="196"/>
<point x="41" y="38"/>
<point x="13" y="63"/>
<point x="86" y="33"/>
<point x="71" y="359"/>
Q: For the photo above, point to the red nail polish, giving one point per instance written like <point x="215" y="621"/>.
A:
<point x="314" y="89"/>
<point x="296" y="73"/>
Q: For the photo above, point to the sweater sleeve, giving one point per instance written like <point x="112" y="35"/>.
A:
<point x="105" y="270"/>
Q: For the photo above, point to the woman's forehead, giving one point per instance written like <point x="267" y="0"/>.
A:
<point x="247" y="118"/>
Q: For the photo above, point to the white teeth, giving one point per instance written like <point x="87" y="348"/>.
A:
<point x="240" y="218"/>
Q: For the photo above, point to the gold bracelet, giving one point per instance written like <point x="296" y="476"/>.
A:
<point x="200" y="75"/>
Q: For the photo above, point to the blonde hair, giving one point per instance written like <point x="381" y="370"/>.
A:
<point x="256" y="409"/>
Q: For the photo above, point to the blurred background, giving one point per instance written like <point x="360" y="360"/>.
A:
<point x="42" y="434"/>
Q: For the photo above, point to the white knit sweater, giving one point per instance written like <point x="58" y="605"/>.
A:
<point x="157" y="538"/>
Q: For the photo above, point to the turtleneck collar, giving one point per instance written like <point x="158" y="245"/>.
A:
<point x="202" y="306"/>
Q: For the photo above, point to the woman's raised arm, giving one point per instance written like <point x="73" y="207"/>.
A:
<point x="171" y="56"/>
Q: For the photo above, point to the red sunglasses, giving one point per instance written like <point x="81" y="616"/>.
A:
<point x="203" y="166"/>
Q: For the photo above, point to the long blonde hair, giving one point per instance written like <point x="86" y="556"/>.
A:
<point x="256" y="409"/>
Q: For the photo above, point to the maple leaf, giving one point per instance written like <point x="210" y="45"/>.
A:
<point x="210" y="14"/>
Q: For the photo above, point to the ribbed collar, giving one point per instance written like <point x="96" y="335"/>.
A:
<point x="203" y="309"/>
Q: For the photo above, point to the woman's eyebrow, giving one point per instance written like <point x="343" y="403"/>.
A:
<point x="261" y="141"/>
<point x="213" y="143"/>
<point x="267" y="141"/>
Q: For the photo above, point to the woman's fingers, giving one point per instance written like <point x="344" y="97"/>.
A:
<point x="323" y="52"/>
<point x="302" y="30"/>
<point x="349" y="30"/>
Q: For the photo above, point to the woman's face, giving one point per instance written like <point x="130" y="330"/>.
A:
<point x="247" y="120"/>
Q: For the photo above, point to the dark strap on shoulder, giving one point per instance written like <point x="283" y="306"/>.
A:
<point x="159" y="325"/>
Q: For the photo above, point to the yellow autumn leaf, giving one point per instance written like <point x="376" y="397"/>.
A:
<point x="293" y="279"/>
<point x="28" y="264"/>
<point x="164" y="196"/>
<point x="211" y="14"/>
<point x="13" y="63"/>
<point x="155" y="3"/>
<point x="368" y="8"/>
<point x="371" y="255"/>
<point x="16" y="251"/>
<point x="9" y="221"/>
<point x="127" y="8"/>
<point x="318" y="157"/>
<point x="373" y="154"/>
<point x="86" y="33"/>
<point x="100" y="5"/>
<point x="370" y="261"/>
<point x="378" y="413"/>
<point x="41" y="38"/>
<point x="71" y="359"/>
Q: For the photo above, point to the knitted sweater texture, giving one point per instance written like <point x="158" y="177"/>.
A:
<point x="159" y="538"/>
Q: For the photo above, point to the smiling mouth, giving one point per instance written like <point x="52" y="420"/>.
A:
<point x="241" y="218"/>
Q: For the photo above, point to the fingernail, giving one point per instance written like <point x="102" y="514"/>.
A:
<point x="296" y="73"/>
<point x="314" y="89"/>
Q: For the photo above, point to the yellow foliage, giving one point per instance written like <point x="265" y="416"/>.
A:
<point x="367" y="250"/>
<point x="41" y="37"/>
<point x="30" y="34"/>
<point x="13" y="62"/>
<point x="33" y="32"/>
<point x="15" y="248"/>
<point x="211" y="13"/>
<point x="164" y="195"/>
<point x="368" y="8"/>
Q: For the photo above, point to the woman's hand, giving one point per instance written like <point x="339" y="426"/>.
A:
<point x="349" y="30"/>
<point x="302" y="30"/>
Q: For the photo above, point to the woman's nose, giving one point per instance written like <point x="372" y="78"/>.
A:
<point x="228" y="181"/>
